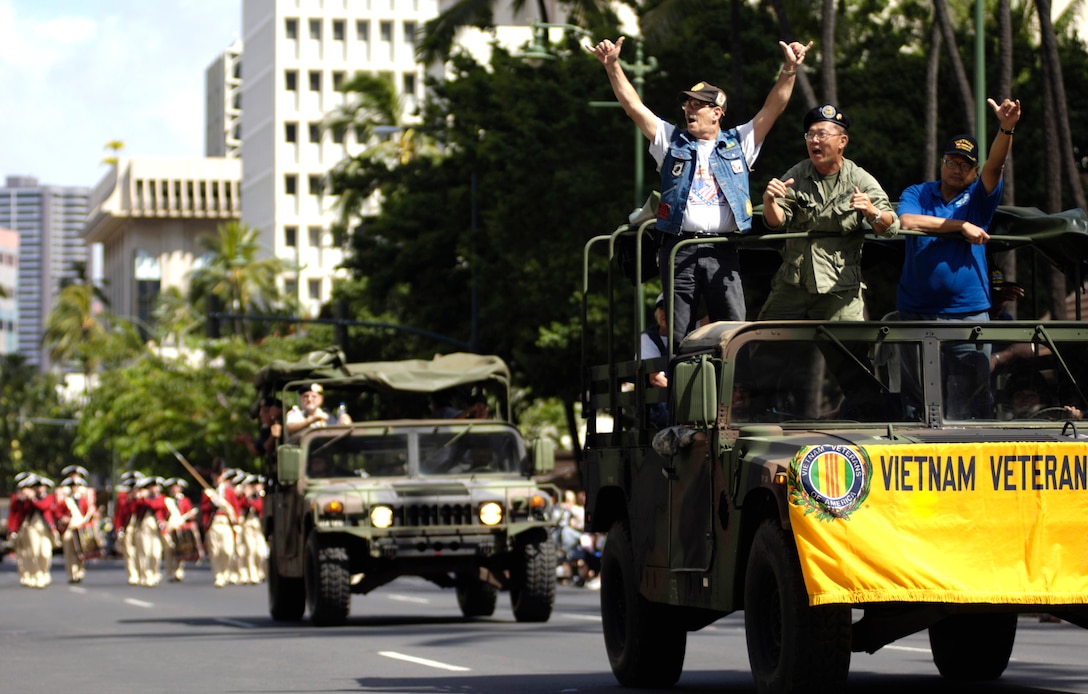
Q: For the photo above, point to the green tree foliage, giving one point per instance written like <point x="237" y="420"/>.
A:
<point x="539" y="169"/>
<point x="36" y="427"/>
<point x="197" y="404"/>
<point x="237" y="272"/>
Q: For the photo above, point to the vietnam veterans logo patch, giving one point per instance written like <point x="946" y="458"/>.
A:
<point x="829" y="481"/>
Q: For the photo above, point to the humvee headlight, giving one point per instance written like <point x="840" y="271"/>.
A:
<point x="333" y="508"/>
<point x="381" y="516"/>
<point x="538" y="502"/>
<point x="491" y="513"/>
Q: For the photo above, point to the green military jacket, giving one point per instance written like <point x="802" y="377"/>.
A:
<point x="827" y="264"/>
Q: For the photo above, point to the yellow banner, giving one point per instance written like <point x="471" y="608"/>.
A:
<point x="964" y="523"/>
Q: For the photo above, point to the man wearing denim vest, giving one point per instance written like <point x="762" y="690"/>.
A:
<point x="704" y="184"/>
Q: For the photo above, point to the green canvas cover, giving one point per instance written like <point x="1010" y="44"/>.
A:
<point x="408" y="375"/>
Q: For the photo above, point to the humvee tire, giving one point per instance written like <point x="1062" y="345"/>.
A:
<point x="328" y="582"/>
<point x="645" y="648"/>
<point x="476" y="598"/>
<point x="286" y="595"/>
<point x="532" y="590"/>
<point x="791" y="646"/>
<point x="973" y="646"/>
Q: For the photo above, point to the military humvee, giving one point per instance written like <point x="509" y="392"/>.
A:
<point x="918" y="475"/>
<point x="397" y="494"/>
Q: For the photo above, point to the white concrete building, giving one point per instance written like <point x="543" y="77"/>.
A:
<point x="9" y="278"/>
<point x="148" y="213"/>
<point x="223" y="100"/>
<point x="48" y="220"/>
<point x="295" y="54"/>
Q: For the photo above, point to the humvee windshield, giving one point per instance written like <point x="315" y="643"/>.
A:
<point x="442" y="452"/>
<point x="859" y="381"/>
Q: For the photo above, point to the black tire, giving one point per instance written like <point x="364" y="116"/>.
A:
<point x="973" y="647"/>
<point x="286" y="595"/>
<point x="645" y="648"/>
<point x="532" y="587"/>
<point x="476" y="598"/>
<point x="791" y="645"/>
<point x="328" y="582"/>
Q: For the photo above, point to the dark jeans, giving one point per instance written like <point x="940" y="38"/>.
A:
<point x="710" y="271"/>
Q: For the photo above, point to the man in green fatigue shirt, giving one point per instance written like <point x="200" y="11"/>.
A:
<point x="820" y="277"/>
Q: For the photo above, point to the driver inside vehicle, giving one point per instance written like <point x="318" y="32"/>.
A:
<point x="1031" y="399"/>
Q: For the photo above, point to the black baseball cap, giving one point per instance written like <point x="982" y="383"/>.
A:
<point x="964" y="145"/>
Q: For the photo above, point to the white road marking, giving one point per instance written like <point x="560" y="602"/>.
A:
<point x="585" y="617"/>
<point x="423" y="661"/>
<point x="909" y="649"/>
<point x="234" y="622"/>
<point x="77" y="589"/>
<point x="407" y="598"/>
<point x="139" y="603"/>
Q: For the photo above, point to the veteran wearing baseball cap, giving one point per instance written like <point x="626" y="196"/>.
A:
<point x="820" y="277"/>
<point x="704" y="183"/>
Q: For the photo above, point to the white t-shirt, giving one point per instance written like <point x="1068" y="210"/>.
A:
<point x="707" y="209"/>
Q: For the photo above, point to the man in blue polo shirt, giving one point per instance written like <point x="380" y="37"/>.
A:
<point x="945" y="274"/>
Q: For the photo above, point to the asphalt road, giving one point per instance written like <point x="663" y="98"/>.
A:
<point x="408" y="637"/>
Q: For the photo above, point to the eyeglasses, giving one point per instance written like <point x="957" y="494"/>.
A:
<point x="957" y="164"/>
<point x="695" y="104"/>
<point x="819" y="136"/>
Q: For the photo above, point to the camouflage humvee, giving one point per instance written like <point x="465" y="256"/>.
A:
<point x="396" y="494"/>
<point x="920" y="475"/>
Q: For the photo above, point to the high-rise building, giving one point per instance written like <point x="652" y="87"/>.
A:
<point x="49" y="220"/>
<point x="273" y="94"/>
<point x="296" y="55"/>
<point x="223" y="84"/>
<point x="9" y="277"/>
<point x="148" y="214"/>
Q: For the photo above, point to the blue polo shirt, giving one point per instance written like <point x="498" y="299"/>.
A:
<point x="945" y="274"/>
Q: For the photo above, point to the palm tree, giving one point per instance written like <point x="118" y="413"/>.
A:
<point x="373" y="110"/>
<point x="440" y="32"/>
<point x="75" y="329"/>
<point x="234" y="271"/>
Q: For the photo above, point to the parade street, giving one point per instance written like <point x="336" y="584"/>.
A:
<point x="105" y="635"/>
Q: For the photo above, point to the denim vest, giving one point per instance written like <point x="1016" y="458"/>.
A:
<point x="727" y="165"/>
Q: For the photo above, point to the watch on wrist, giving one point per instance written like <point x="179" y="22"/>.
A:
<point x="878" y="218"/>
<point x="1007" y="132"/>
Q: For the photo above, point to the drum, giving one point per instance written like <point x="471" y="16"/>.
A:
<point x="88" y="542"/>
<point x="186" y="547"/>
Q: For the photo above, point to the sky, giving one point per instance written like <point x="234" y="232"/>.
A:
<point x="76" y="74"/>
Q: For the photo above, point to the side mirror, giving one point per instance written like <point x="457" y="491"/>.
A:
<point x="289" y="464"/>
<point x="695" y="392"/>
<point x="543" y="456"/>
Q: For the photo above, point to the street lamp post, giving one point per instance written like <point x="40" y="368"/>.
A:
<point x="638" y="70"/>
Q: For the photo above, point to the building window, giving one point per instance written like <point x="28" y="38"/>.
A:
<point x="338" y="236"/>
<point x="315" y="237"/>
<point x="409" y="85"/>
<point x="315" y="28"/>
<point x="315" y="133"/>
<point x="291" y="78"/>
<point x="290" y="288"/>
<point x="315" y="80"/>
<point x="337" y="80"/>
<point x="410" y="33"/>
<point x="362" y="30"/>
<point x="291" y="27"/>
<point x="338" y="135"/>
<point x="290" y="184"/>
<point x="290" y="237"/>
<point x="315" y="289"/>
<point x="386" y="29"/>
<point x="315" y="185"/>
<point x="291" y="132"/>
<point x="338" y="29"/>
